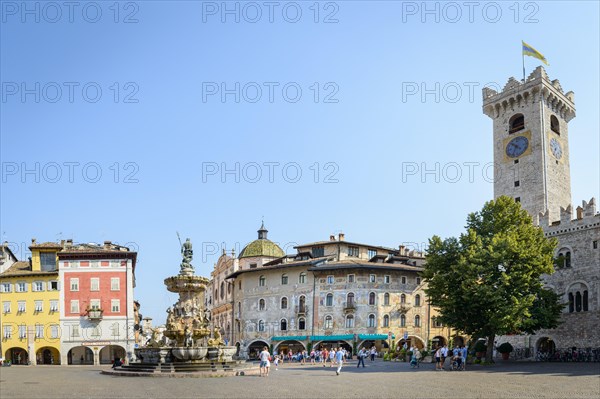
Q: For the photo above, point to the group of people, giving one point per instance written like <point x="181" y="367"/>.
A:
<point x="335" y="357"/>
<point x="457" y="354"/>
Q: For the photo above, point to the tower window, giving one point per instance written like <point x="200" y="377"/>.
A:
<point x="517" y="183"/>
<point x="554" y="125"/>
<point x="516" y="123"/>
<point x="516" y="161"/>
<point x="595" y="244"/>
<point x="518" y="199"/>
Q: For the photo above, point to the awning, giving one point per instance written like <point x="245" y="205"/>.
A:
<point x="345" y="337"/>
<point x="289" y="338"/>
<point x="374" y="336"/>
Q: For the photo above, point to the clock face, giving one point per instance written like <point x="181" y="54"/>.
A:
<point x="556" y="148"/>
<point x="517" y="146"/>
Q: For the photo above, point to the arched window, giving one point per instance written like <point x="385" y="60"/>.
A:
<point x="386" y="299"/>
<point x="578" y="301"/>
<point x="283" y="325"/>
<point x="578" y="298"/>
<point x="402" y="320"/>
<point x="571" y="303"/>
<point x="301" y="323"/>
<point x="239" y="307"/>
<point x="261" y="281"/>
<point x="371" y="321"/>
<point x="329" y="300"/>
<point x="239" y="326"/>
<point x="302" y="278"/>
<point x="261" y="326"/>
<point x="554" y="125"/>
<point x="372" y="298"/>
<point x="284" y="303"/>
<point x="302" y="304"/>
<point x="284" y="279"/>
<point x="403" y="299"/>
<point x="386" y="321"/>
<point x="261" y="304"/>
<point x="328" y="323"/>
<point x="417" y="321"/>
<point x="222" y="289"/>
<point x="350" y="299"/>
<point x="516" y="123"/>
<point x="568" y="259"/>
<point x="350" y="321"/>
<point x="417" y="300"/>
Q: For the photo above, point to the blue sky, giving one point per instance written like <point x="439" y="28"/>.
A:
<point x="334" y="105"/>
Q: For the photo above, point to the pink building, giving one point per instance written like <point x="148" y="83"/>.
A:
<point x="97" y="313"/>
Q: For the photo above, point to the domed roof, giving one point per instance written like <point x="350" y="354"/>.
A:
<point x="262" y="247"/>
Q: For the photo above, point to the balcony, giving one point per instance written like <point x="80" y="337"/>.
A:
<point x="95" y="314"/>
<point x="349" y="306"/>
<point x="301" y="310"/>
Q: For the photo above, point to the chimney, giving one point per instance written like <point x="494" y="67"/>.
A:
<point x="401" y="249"/>
<point x="107" y="245"/>
<point x="341" y="237"/>
<point x="332" y="238"/>
<point x="69" y="243"/>
<point x="33" y="241"/>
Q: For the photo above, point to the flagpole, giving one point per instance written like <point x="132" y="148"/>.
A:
<point x="523" y="58"/>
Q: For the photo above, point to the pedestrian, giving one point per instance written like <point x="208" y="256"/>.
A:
<point x="373" y="353"/>
<point x="332" y="354"/>
<point x="444" y="355"/>
<point x="117" y="363"/>
<point x="361" y="357"/>
<point x="418" y="355"/>
<point x="339" y="357"/>
<point x="276" y="361"/>
<point x="438" y="359"/>
<point x="313" y="356"/>
<point x="325" y="354"/>
<point x="463" y="351"/>
<point x="264" y="362"/>
<point x="290" y="355"/>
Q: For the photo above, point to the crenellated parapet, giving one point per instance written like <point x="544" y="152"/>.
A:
<point x="586" y="216"/>
<point x="536" y="87"/>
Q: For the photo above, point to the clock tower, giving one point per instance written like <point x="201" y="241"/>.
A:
<point x="531" y="147"/>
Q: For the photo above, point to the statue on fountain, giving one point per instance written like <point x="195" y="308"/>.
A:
<point x="187" y="253"/>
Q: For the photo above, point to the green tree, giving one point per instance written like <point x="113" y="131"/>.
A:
<point x="487" y="282"/>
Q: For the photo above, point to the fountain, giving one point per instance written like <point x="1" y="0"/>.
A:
<point x="194" y="346"/>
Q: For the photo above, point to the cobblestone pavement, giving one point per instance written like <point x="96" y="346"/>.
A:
<point x="377" y="380"/>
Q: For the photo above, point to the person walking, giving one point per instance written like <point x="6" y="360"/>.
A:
<point x="325" y="354"/>
<point x="463" y="351"/>
<point x="264" y="362"/>
<point x="438" y="359"/>
<point x="332" y="357"/>
<point x="444" y="353"/>
<point x="361" y="357"/>
<point x="339" y="357"/>
<point x="373" y="353"/>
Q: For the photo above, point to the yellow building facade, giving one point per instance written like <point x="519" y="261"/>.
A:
<point x="29" y="318"/>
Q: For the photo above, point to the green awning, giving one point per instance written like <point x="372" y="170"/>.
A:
<point x="374" y="336"/>
<point x="345" y="337"/>
<point x="289" y="337"/>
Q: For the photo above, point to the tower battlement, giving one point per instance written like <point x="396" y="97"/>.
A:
<point x="516" y="93"/>
<point x="585" y="215"/>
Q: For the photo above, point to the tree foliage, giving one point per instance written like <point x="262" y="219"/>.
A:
<point x="487" y="282"/>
